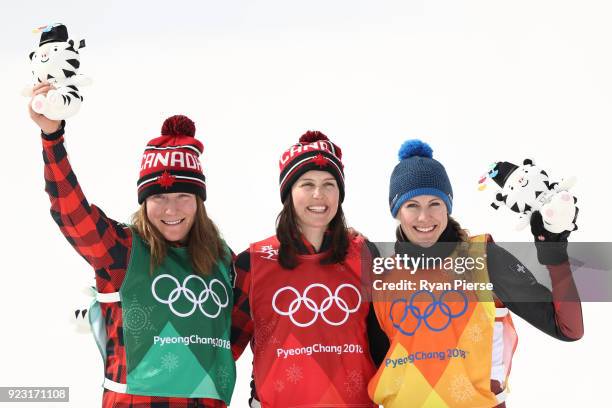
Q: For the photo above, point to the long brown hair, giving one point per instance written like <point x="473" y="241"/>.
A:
<point x="462" y="233"/>
<point x="287" y="232"/>
<point x="464" y="238"/>
<point x="204" y="243"/>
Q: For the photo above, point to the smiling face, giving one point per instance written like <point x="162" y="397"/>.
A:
<point x="172" y="214"/>
<point x="315" y="198"/>
<point x="423" y="219"/>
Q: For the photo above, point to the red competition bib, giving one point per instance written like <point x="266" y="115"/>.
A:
<point x="310" y="346"/>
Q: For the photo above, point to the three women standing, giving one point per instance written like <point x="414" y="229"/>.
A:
<point x="165" y="288"/>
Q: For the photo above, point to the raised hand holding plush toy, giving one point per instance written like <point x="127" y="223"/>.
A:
<point x="526" y="189"/>
<point x="56" y="61"/>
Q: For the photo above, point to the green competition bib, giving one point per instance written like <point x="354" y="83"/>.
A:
<point x="176" y="327"/>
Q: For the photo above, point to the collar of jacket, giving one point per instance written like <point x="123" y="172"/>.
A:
<point x="304" y="247"/>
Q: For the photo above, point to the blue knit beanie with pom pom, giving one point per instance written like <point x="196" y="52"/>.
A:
<point x="416" y="174"/>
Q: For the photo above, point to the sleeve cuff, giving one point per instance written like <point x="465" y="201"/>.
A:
<point x="552" y="253"/>
<point x="55" y="135"/>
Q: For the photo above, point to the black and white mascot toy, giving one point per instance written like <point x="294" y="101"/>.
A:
<point x="56" y="60"/>
<point x="527" y="190"/>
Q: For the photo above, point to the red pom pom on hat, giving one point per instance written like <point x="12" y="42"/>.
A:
<point x="178" y="125"/>
<point x="312" y="136"/>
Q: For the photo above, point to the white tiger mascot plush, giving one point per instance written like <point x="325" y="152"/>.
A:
<point x="527" y="188"/>
<point x="57" y="61"/>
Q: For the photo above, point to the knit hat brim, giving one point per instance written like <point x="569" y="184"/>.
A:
<point x="188" y="183"/>
<point x="399" y="201"/>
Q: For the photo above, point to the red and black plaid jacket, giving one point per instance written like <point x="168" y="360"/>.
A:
<point x="105" y="244"/>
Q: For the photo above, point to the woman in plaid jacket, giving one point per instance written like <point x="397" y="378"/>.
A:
<point x="164" y="302"/>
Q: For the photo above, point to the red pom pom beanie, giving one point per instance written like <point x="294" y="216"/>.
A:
<point x="170" y="163"/>
<point x="314" y="151"/>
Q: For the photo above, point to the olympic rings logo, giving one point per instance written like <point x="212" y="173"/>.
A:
<point x="430" y="309"/>
<point x="318" y="310"/>
<point x="198" y="301"/>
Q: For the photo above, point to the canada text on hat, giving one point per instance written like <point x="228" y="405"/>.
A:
<point x="300" y="148"/>
<point x="175" y="159"/>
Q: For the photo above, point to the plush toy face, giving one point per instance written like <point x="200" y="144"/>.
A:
<point x="54" y="61"/>
<point x="523" y="186"/>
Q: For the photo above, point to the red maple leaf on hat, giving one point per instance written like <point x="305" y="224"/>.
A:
<point x="319" y="160"/>
<point x="166" y="180"/>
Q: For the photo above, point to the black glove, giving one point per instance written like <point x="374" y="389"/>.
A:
<point x="551" y="247"/>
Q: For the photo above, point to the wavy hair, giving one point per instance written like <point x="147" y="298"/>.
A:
<point x="204" y="243"/>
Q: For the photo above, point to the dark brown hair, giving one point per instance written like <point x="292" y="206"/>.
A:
<point x="464" y="238"/>
<point x="204" y="243"/>
<point x="462" y="233"/>
<point x="287" y="233"/>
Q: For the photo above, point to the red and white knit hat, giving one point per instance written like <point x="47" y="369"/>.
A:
<point x="314" y="151"/>
<point x="170" y="163"/>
